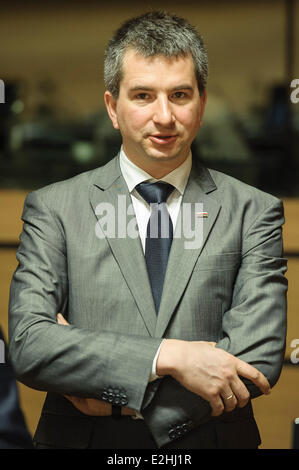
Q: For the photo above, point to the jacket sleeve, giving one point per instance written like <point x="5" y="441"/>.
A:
<point x="254" y="328"/>
<point x="65" y="359"/>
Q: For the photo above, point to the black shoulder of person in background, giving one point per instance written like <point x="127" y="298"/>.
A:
<point x="13" y="431"/>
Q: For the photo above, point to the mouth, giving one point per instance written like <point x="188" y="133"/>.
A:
<point x="163" y="139"/>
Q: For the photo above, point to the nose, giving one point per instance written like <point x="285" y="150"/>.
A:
<point x="163" y="112"/>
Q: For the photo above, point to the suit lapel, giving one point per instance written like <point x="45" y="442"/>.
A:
<point x="181" y="259"/>
<point x="107" y="186"/>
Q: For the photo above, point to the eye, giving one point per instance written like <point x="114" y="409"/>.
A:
<point x="182" y="97"/>
<point x="142" y="96"/>
<point x="178" y="95"/>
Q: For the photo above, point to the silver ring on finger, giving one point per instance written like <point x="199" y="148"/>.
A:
<point x="228" y="398"/>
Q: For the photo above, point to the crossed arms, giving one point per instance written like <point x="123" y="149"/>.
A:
<point x="78" y="362"/>
<point x="208" y="372"/>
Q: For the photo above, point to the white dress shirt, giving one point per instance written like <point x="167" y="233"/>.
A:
<point x="134" y="175"/>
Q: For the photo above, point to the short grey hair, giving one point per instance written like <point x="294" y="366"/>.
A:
<point x="153" y="34"/>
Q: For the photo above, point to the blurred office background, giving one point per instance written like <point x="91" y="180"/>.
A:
<point x="53" y="125"/>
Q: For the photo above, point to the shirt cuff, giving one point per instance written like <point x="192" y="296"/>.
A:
<point x="153" y="375"/>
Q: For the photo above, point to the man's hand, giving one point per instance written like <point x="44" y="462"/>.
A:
<point x="209" y="372"/>
<point x="61" y="320"/>
<point x="203" y="369"/>
<point x="89" y="406"/>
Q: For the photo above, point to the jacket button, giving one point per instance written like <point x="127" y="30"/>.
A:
<point x="185" y="428"/>
<point x="104" y="396"/>
<point x="172" y="434"/>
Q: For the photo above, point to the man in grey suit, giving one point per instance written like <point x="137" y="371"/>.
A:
<point x="161" y="340"/>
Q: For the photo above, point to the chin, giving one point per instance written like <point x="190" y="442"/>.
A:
<point x="160" y="155"/>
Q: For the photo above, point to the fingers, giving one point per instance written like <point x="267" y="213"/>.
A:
<point x="80" y="403"/>
<point x="61" y="320"/>
<point x="235" y="395"/>
<point x="251" y="373"/>
<point x="229" y="400"/>
<point x="72" y="399"/>
<point x="217" y="405"/>
<point x="240" y="392"/>
<point x="223" y="401"/>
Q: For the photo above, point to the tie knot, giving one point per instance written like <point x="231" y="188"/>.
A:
<point x="155" y="192"/>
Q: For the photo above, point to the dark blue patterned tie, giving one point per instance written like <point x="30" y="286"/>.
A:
<point x="159" y="234"/>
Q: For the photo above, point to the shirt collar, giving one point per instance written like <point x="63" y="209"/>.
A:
<point x="134" y="175"/>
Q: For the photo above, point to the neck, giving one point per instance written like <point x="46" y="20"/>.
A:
<point x="158" y="168"/>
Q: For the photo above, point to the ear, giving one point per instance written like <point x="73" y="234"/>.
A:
<point x="203" y="101"/>
<point x="111" y="106"/>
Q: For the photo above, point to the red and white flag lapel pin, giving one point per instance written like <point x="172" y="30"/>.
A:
<point x="201" y="214"/>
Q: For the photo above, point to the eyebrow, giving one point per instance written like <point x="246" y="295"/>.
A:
<point x="146" y="88"/>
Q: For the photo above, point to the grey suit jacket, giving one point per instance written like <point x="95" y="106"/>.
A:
<point x="231" y="290"/>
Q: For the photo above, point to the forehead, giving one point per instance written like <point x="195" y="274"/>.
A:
<point x="155" y="70"/>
